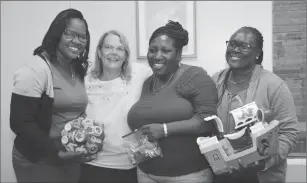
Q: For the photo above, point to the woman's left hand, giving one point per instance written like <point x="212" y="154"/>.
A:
<point x="254" y="167"/>
<point x="153" y="131"/>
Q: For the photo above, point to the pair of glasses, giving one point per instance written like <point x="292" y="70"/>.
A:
<point x="69" y="34"/>
<point x="109" y="48"/>
<point x="242" y="46"/>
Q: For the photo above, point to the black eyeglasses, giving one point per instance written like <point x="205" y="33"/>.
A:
<point x="72" y="35"/>
<point x="242" y="46"/>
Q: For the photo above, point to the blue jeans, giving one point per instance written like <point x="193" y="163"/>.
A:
<point x="96" y="174"/>
<point x="42" y="171"/>
<point x="203" y="176"/>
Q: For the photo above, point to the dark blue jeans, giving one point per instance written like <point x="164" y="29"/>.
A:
<point x="91" y="173"/>
<point x="243" y="177"/>
<point x="43" y="171"/>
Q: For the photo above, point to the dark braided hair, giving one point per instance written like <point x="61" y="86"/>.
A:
<point x="54" y="34"/>
<point x="259" y="41"/>
<point x="173" y="30"/>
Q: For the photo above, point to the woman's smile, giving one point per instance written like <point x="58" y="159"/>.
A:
<point x="158" y="66"/>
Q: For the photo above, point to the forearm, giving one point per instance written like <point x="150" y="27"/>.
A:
<point x="192" y="126"/>
<point x="38" y="141"/>
<point x="22" y="123"/>
<point x="284" y="112"/>
<point x="287" y="142"/>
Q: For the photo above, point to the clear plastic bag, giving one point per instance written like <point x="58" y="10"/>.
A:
<point x="139" y="148"/>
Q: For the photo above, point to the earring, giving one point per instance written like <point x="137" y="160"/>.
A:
<point x="257" y="57"/>
<point x="81" y="55"/>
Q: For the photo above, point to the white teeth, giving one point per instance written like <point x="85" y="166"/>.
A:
<point x="74" y="48"/>
<point x="113" y="59"/>
<point x="158" y="66"/>
<point x="235" y="58"/>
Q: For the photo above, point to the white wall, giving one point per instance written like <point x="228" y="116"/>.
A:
<point x="216" y="21"/>
<point x="23" y="25"/>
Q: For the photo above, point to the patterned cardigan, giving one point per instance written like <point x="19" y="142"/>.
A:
<point x="268" y="91"/>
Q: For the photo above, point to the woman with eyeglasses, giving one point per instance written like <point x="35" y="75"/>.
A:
<point x="113" y="85"/>
<point x="49" y="92"/>
<point x="245" y="81"/>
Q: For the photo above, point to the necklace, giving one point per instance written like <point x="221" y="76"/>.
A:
<point x="73" y="73"/>
<point x="239" y="82"/>
<point x="70" y="68"/>
<point x="155" y="80"/>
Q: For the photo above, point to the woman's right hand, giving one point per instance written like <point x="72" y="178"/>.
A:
<point x="73" y="156"/>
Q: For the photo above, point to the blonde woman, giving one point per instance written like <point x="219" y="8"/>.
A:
<point x="113" y="86"/>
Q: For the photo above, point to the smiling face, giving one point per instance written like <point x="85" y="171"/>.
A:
<point x="242" y="50"/>
<point x="112" y="52"/>
<point x="163" y="57"/>
<point x="70" y="46"/>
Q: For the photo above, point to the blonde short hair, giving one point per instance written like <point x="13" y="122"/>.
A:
<point x="97" y="69"/>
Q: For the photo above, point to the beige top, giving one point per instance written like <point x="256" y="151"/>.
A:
<point x="70" y="100"/>
<point x="109" y="103"/>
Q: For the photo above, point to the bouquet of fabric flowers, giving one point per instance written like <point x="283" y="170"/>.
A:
<point x="83" y="135"/>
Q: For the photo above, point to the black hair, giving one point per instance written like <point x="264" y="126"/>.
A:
<point x="224" y="86"/>
<point x="175" y="31"/>
<point x="54" y="34"/>
<point x="259" y="42"/>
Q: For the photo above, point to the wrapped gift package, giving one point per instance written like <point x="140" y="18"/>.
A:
<point x="256" y="138"/>
<point x="83" y="135"/>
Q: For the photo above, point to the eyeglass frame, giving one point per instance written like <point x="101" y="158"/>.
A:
<point x="250" y="47"/>
<point x="111" y="48"/>
<point x="74" y="35"/>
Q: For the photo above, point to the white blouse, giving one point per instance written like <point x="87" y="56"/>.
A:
<point x="109" y="103"/>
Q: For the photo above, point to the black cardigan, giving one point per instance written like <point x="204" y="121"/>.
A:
<point x="30" y="120"/>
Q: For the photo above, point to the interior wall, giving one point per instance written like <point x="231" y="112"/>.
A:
<point x="216" y="21"/>
<point x="24" y="24"/>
